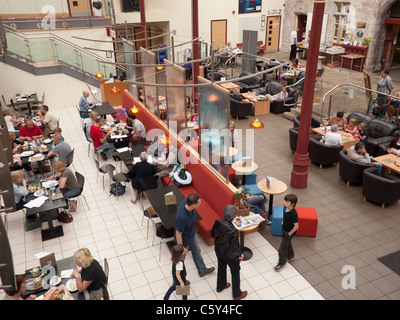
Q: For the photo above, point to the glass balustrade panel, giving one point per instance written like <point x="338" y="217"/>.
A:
<point x="17" y="45"/>
<point x="67" y="54"/>
<point x="41" y="50"/>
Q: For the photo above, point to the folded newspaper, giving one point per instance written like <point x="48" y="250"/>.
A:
<point x="243" y="222"/>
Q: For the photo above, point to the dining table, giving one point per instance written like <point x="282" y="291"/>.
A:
<point x="28" y="99"/>
<point x="167" y="213"/>
<point x="48" y="210"/>
<point x="104" y="108"/>
<point x="60" y="267"/>
<point x="28" y="156"/>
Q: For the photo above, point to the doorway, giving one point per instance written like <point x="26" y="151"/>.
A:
<point x="272" y="33"/>
<point x="301" y="25"/>
<point x="218" y="34"/>
<point x="80" y="8"/>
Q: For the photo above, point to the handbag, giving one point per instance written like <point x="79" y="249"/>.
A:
<point x="185" y="291"/>
<point x="64" y="217"/>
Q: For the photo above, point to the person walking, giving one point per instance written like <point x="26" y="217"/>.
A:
<point x="293" y="44"/>
<point x="185" y="231"/>
<point x="178" y="271"/>
<point x="290" y="224"/>
<point x="228" y="252"/>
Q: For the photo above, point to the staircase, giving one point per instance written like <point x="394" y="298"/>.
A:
<point x="293" y="112"/>
<point x="42" y="54"/>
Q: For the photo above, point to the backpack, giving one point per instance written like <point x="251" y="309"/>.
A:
<point x="117" y="189"/>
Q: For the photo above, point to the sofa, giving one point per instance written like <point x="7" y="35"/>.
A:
<point x="315" y="122"/>
<point x="384" y="190"/>
<point x="351" y="171"/>
<point x="322" y="154"/>
<point x="249" y="84"/>
<point x="293" y="135"/>
<point x="215" y="198"/>
<point x="281" y="106"/>
<point x="240" y="109"/>
<point x="380" y="131"/>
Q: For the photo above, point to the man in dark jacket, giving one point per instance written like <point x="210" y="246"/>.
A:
<point x="228" y="252"/>
<point x="139" y="170"/>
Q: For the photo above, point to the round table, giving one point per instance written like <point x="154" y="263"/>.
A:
<point x="280" y="188"/>
<point x="247" y="253"/>
<point x="237" y="166"/>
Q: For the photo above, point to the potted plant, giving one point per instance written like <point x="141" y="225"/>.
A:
<point x="242" y="207"/>
<point x="365" y="41"/>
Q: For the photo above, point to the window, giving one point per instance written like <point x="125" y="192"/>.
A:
<point x="340" y="21"/>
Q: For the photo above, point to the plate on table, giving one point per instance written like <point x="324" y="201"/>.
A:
<point x="190" y="124"/>
<point x="26" y="153"/>
<point x="30" y="285"/>
<point x="39" y="193"/>
<point x="46" y="141"/>
<point x="71" y="285"/>
<point x="55" y="280"/>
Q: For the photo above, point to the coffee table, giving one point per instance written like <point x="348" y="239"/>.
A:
<point x="237" y="166"/>
<point x="280" y="188"/>
<point x="347" y="138"/>
<point x="389" y="161"/>
<point x="230" y="86"/>
<point x="261" y="107"/>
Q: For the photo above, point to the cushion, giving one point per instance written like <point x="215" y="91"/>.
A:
<point x="308" y="221"/>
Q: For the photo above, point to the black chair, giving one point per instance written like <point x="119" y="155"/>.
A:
<point x="103" y="170"/>
<point x="315" y="122"/>
<point x="380" y="189"/>
<point x="240" y="109"/>
<point x="106" y="270"/>
<point x="163" y="234"/>
<point x="293" y="135"/>
<point x="150" y="213"/>
<point x="70" y="158"/>
<point x="322" y="154"/>
<point x="118" y="177"/>
<point x="217" y="76"/>
<point x="281" y="106"/>
<point x="18" y="109"/>
<point x="81" y="181"/>
<point x="249" y="84"/>
<point x="351" y="171"/>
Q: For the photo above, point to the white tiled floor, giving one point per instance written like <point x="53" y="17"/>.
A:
<point x="112" y="229"/>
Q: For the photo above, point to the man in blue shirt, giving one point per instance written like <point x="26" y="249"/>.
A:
<point x="84" y="105"/>
<point x="185" y="231"/>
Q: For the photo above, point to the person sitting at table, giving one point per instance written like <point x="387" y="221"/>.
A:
<point x="256" y="203"/>
<point x="61" y="149"/>
<point x="139" y="170"/>
<point x="19" y="187"/>
<point x="68" y="184"/>
<point x="84" y="105"/>
<point x="30" y="131"/>
<point x="48" y="119"/>
<point x="295" y="68"/>
<point x="233" y="134"/>
<point x="333" y="137"/>
<point x="11" y="122"/>
<point x="358" y="153"/>
<point x="99" y="141"/>
<point x="339" y="120"/>
<point x="279" y="96"/>
<point x="17" y="162"/>
<point x="363" y="132"/>
<point x="92" y="116"/>
<point x="394" y="146"/>
<point x="238" y="97"/>
<point x="351" y="128"/>
<point x="91" y="277"/>
<point x="137" y="128"/>
<point x="20" y="281"/>
<point x="189" y="105"/>
<point x="165" y="163"/>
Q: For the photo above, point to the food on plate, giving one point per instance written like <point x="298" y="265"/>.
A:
<point x="55" y="280"/>
<point x="31" y="187"/>
<point x="72" y="285"/>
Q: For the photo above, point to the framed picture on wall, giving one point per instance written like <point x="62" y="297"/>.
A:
<point x="249" y="6"/>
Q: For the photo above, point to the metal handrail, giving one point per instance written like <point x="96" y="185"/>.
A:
<point x="47" y="35"/>
<point x="350" y="85"/>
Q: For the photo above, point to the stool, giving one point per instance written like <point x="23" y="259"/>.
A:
<point x="308" y="221"/>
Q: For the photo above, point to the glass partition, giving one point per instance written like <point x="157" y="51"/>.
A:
<point x="150" y="92"/>
<point x="175" y="97"/>
<point x="42" y="50"/>
<point x="214" y="132"/>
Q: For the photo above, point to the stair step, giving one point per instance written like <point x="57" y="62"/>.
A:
<point x="289" y="115"/>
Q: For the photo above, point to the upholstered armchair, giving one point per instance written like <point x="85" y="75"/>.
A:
<point x="240" y="109"/>
<point x="322" y="154"/>
<point x="351" y="171"/>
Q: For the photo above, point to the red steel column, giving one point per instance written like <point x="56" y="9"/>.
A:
<point x="195" y="50"/>
<point x="143" y="23"/>
<point x="301" y="159"/>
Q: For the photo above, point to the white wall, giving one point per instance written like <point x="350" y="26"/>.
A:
<point x="179" y="14"/>
<point x="60" y="90"/>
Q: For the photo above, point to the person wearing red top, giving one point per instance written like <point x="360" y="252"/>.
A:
<point x="100" y="141"/>
<point x="30" y="131"/>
